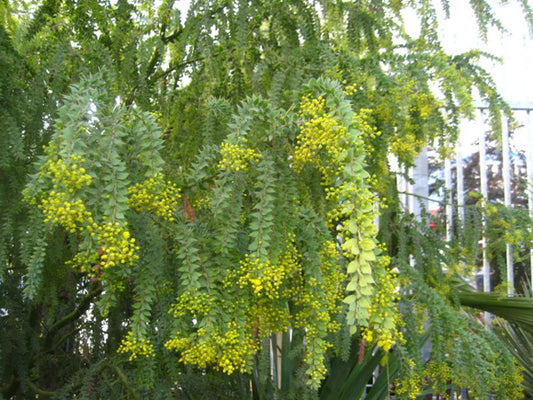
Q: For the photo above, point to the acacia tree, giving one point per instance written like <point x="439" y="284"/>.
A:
<point x="186" y="197"/>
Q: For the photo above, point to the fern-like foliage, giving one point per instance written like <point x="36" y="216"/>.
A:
<point x="189" y="200"/>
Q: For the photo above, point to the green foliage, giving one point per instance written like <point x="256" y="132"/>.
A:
<point x="189" y="204"/>
<point x="518" y="337"/>
<point x="513" y="324"/>
<point x="431" y="313"/>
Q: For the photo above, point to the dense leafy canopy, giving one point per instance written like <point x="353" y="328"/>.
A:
<point x="188" y="198"/>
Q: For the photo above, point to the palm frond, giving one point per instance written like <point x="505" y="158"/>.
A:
<point x="513" y="309"/>
<point x="520" y="341"/>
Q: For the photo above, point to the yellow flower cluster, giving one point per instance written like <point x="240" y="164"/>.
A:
<point x="384" y="316"/>
<point x="369" y="133"/>
<point x="267" y="316"/>
<point x="268" y="284"/>
<point x="362" y="121"/>
<point x="195" y="303"/>
<point x="320" y="134"/>
<point x="136" y="347"/>
<point x="438" y="373"/>
<point x="265" y="278"/>
<point x="512" y="382"/>
<point x="228" y="352"/>
<point x="71" y="177"/>
<point x="60" y="205"/>
<point x="313" y="302"/>
<point x="312" y="107"/>
<point x="406" y="147"/>
<point x="314" y="358"/>
<point x="199" y="350"/>
<point x="237" y="350"/>
<point x="178" y="343"/>
<point x="353" y="200"/>
<point x="334" y="280"/>
<point x="88" y="262"/>
<point x="508" y="227"/>
<point x="330" y="251"/>
<point x="502" y="379"/>
<point x="117" y="245"/>
<point x="350" y="90"/>
<point x="237" y="157"/>
<point x="315" y="318"/>
<point x="424" y="104"/>
<point x="318" y="303"/>
<point x="202" y="203"/>
<point x="59" y="209"/>
<point x="411" y="382"/>
<point x="156" y="195"/>
<point x="313" y="311"/>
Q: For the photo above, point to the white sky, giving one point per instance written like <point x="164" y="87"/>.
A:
<point x="513" y="77"/>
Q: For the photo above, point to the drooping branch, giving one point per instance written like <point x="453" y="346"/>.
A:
<point x="39" y="391"/>
<point x="124" y="379"/>
<point x="82" y="307"/>
<point x="10" y="388"/>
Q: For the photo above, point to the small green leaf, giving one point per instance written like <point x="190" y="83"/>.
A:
<point x="350" y="299"/>
<point x="353" y="267"/>
<point x="352" y="285"/>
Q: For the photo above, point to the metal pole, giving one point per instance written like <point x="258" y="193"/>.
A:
<point x="419" y="174"/>
<point x="460" y="185"/>
<point x="410" y="199"/>
<point x="529" y="163"/>
<point x="506" y="172"/>
<point x="448" y="198"/>
<point x="485" y="194"/>
<point x="409" y="188"/>
<point x="401" y="182"/>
